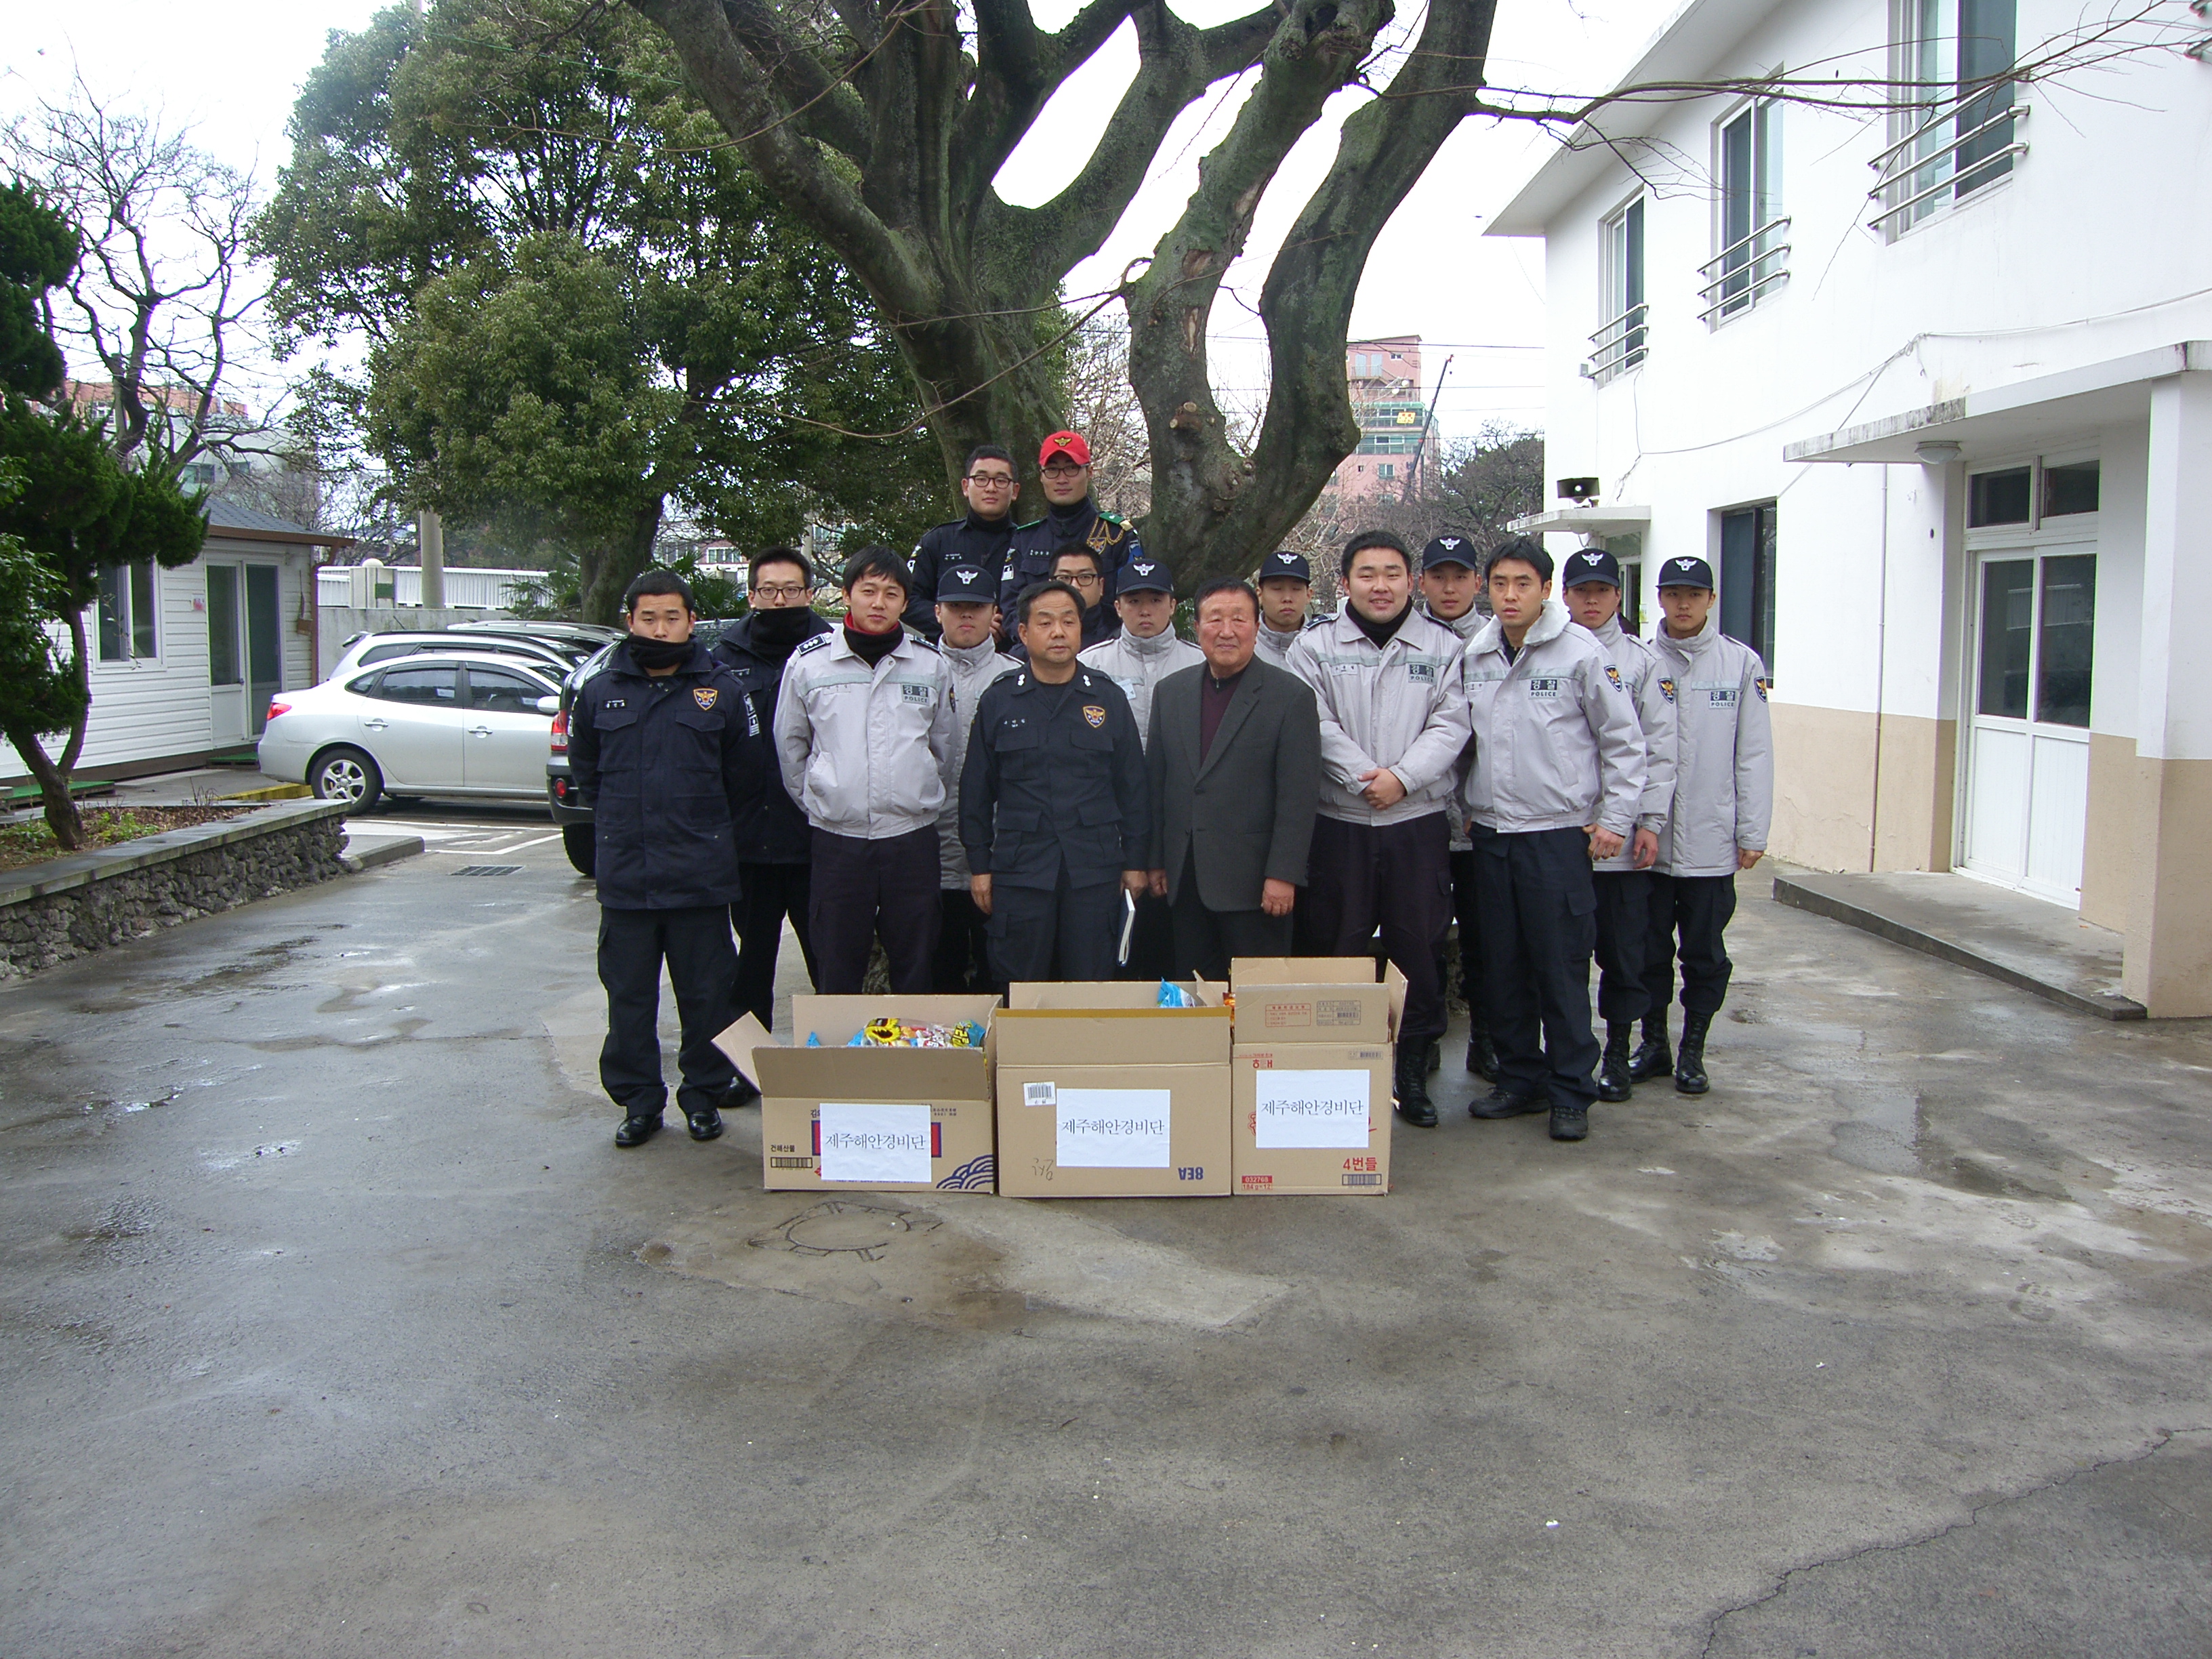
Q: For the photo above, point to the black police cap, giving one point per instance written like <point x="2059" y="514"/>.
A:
<point x="1450" y="550"/>
<point x="1685" y="571"/>
<point x="1292" y="567"/>
<point x="964" y="584"/>
<point x="1590" y="564"/>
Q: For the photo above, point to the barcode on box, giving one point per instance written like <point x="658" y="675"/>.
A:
<point x="791" y="1164"/>
<point x="1339" y="1014"/>
<point x="1040" y="1094"/>
<point x="1363" y="1180"/>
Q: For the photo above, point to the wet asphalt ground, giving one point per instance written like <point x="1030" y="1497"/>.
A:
<point x="336" y="1325"/>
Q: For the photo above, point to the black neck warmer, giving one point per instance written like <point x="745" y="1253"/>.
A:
<point x="872" y="648"/>
<point x="778" y="632"/>
<point x="1381" y="632"/>
<point x="650" y="654"/>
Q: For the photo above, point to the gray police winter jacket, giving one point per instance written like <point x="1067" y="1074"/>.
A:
<point x="863" y="751"/>
<point x="1137" y="665"/>
<point x="1641" y="677"/>
<point x="973" y="668"/>
<point x="1397" y="707"/>
<point x="1556" y="744"/>
<point x="1724" y="752"/>
<point x="1276" y="648"/>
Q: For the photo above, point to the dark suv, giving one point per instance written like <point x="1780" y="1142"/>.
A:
<point x="573" y="818"/>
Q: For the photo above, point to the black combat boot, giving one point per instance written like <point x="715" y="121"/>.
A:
<point x="1481" y="1053"/>
<point x="1413" y="1102"/>
<point x="1653" y="1057"/>
<point x="1570" y="1122"/>
<point x="1612" y="1072"/>
<point x="1503" y="1102"/>
<point x="1690" y="1063"/>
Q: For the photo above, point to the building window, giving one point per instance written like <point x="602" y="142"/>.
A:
<point x="2025" y="495"/>
<point x="200" y="473"/>
<point x="1619" y="345"/>
<point x="1753" y="259"/>
<point x="1954" y="128"/>
<point x="126" y="612"/>
<point x="2070" y="488"/>
<point x="1387" y="471"/>
<point x="1628" y="551"/>
<point x="1747" y="576"/>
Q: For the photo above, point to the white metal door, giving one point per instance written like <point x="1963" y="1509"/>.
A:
<point x="227" y="712"/>
<point x="2027" y="763"/>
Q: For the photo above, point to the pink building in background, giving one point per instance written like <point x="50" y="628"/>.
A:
<point x="1395" y="432"/>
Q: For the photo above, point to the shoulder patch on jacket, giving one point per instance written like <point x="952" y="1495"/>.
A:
<point x="1667" y="688"/>
<point x="706" y="695"/>
<point x="1614" y="674"/>
<point x="1095" y="713"/>
<point x="1763" y="687"/>
<point x="816" y="642"/>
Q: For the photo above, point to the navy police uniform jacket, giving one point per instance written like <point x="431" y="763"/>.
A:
<point x="669" y="767"/>
<point x="1029" y="560"/>
<point x="1055" y="779"/>
<point x="980" y="542"/>
<point x="773" y="829"/>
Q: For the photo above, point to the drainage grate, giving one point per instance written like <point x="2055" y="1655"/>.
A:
<point x="487" y="869"/>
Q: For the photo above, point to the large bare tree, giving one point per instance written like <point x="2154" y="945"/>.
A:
<point x="883" y="123"/>
<point x="167" y="291"/>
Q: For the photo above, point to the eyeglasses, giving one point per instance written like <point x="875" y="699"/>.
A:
<point x="780" y="592"/>
<point x="1060" y="471"/>
<point x="1085" y="579"/>
<point x="991" y="480"/>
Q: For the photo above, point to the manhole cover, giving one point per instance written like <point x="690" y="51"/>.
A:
<point x="842" y="1227"/>
<point x="487" y="869"/>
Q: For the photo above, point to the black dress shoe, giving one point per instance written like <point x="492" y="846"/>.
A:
<point x="705" y="1125"/>
<point x="738" y="1094"/>
<point x="636" y="1131"/>
<point x="1502" y="1102"/>
<point x="1569" y="1122"/>
<point x="1482" y="1055"/>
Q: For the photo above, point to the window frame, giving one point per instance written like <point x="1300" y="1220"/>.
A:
<point x="1936" y="122"/>
<point x="2063" y="527"/>
<point x="1751" y="265"/>
<point x="1624" y="264"/>
<point x="131" y="610"/>
<point x="1765" y="577"/>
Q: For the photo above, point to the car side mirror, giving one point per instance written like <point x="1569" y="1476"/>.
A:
<point x="549" y="705"/>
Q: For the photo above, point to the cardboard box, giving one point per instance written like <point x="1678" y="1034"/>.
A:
<point x="1103" y="1093"/>
<point x="1310" y="1118"/>
<point x="1315" y="1000"/>
<point x="1312" y="1074"/>
<point x="835" y="1119"/>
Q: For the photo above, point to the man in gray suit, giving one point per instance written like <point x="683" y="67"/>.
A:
<point x="1234" y="751"/>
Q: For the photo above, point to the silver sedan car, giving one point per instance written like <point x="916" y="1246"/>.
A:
<point x="450" y="723"/>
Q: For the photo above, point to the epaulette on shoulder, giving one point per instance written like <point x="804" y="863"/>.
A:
<point x="1313" y="623"/>
<point x="925" y="641"/>
<point x="1111" y="517"/>
<point x="1031" y="524"/>
<point x="815" y="642"/>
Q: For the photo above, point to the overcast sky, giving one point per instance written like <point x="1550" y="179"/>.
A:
<point x="232" y="72"/>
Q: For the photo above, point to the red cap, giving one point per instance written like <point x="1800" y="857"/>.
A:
<point x="1069" y="443"/>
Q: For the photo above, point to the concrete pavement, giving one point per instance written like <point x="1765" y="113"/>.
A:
<point x="339" y="1327"/>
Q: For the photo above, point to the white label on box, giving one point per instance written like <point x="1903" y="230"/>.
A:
<point x="1114" y="1129"/>
<point x="874" y="1144"/>
<point x="1307" y="1109"/>
<point x="1040" y="1094"/>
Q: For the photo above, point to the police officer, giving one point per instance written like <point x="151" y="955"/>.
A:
<point x="1137" y="660"/>
<point x="967" y="611"/>
<point x="1052" y="804"/>
<point x="1083" y="569"/>
<point x="864" y="730"/>
<point x="1392" y="727"/>
<point x="1723" y="798"/>
<point x="774" y="845"/>
<point x="659" y="746"/>
<point x="1451" y="577"/>
<point x="1558" y="775"/>
<point x="1591" y="580"/>
<point x="989" y="485"/>
<point x="1070" y="516"/>
<point x="1286" y="591"/>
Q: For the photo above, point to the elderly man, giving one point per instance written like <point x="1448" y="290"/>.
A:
<point x="1234" y="755"/>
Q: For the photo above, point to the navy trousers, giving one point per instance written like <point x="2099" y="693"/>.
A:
<point x="1689" y="918"/>
<point x="772" y="891"/>
<point x="694" y="942"/>
<point x="861" y="889"/>
<point x="1396" y="877"/>
<point x="1624" y="926"/>
<point x="1538" y="930"/>
<point x="1063" y="933"/>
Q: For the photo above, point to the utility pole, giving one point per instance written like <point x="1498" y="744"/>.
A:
<point x="1421" y="443"/>
<point x="430" y="542"/>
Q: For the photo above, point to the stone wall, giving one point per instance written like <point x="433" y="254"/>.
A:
<point x="72" y="907"/>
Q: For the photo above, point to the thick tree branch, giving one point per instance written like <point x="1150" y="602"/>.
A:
<point x="737" y="88"/>
<point x="1018" y="69"/>
<point x="823" y="105"/>
<point x="1177" y="64"/>
<point x="1383" y="149"/>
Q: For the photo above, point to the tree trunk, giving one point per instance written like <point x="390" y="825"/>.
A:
<point x="603" y="571"/>
<point x="53" y="775"/>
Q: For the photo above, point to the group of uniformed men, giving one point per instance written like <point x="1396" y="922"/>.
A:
<point x="1004" y="765"/>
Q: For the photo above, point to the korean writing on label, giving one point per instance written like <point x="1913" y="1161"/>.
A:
<point x="1112" y="1128"/>
<point x="873" y="1143"/>
<point x="1545" y="685"/>
<point x="1304" y="1109"/>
